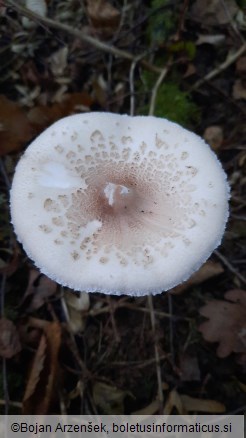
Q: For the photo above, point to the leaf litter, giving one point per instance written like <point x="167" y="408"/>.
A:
<point x="226" y="323"/>
<point x="104" y="349"/>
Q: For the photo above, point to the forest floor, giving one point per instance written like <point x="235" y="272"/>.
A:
<point x="178" y="352"/>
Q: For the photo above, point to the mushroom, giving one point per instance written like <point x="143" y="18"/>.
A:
<point x="117" y="204"/>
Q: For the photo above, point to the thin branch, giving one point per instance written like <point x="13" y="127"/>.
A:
<point x="157" y="355"/>
<point x="112" y="318"/>
<point x="11" y="403"/>
<point x="155" y="90"/>
<point x="229" y="61"/>
<point x="104" y="47"/>
<point x="132" y="90"/>
<point x="131" y="81"/>
<point x="230" y="267"/>
<point x="134" y="364"/>
<point x="160" y="314"/>
<point x="231" y="21"/>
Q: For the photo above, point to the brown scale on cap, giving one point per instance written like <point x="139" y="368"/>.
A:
<point x="125" y="203"/>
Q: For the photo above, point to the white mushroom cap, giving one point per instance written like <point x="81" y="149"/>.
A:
<point x="119" y="204"/>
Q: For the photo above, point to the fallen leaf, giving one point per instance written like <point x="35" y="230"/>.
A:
<point x="192" y="404"/>
<point x="39" y="289"/>
<point x="184" y="404"/>
<point x="35" y="373"/>
<point x="209" y="270"/>
<point x="241" y="65"/>
<point x="174" y="401"/>
<point x="15" y="128"/>
<point x="239" y="90"/>
<point x="9" y="339"/>
<point x="58" y="61"/>
<point x="227" y="323"/>
<point x="42" y="116"/>
<point x="108" y="398"/>
<point x="214" y="136"/>
<point x="213" y="12"/>
<point x="103" y="16"/>
<point x="42" y="384"/>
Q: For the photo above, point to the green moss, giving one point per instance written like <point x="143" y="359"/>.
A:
<point x="183" y="46"/>
<point x="171" y="102"/>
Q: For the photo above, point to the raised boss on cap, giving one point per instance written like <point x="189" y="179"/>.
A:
<point x="117" y="204"/>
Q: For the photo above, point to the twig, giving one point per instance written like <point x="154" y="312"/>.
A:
<point x="157" y="355"/>
<point x="131" y="81"/>
<point x="155" y="89"/>
<point x="112" y="318"/>
<point x="79" y="34"/>
<point x="12" y="403"/>
<point x="230" y="267"/>
<point x="233" y="26"/>
<point x="230" y="60"/>
<point x="105" y="309"/>
<point x="132" y="90"/>
<point x="238" y="217"/>
<point x="135" y="364"/>
<point x="71" y="340"/>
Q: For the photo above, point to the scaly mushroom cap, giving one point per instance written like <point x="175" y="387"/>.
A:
<point x="119" y="204"/>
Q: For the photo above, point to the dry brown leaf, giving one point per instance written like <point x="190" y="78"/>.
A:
<point x="192" y="404"/>
<point x="44" y="375"/>
<point x="39" y="289"/>
<point x="109" y="398"/>
<point x="103" y="16"/>
<point x="15" y="128"/>
<point x="53" y="334"/>
<point x="42" y="116"/>
<point x="213" y="12"/>
<point x="34" y="376"/>
<point x="58" y="61"/>
<point x="184" y="404"/>
<point x="174" y="401"/>
<point x="239" y="90"/>
<point x="227" y="323"/>
<point x="214" y="136"/>
<point x="9" y="339"/>
<point x="241" y="65"/>
<point x="208" y="270"/>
